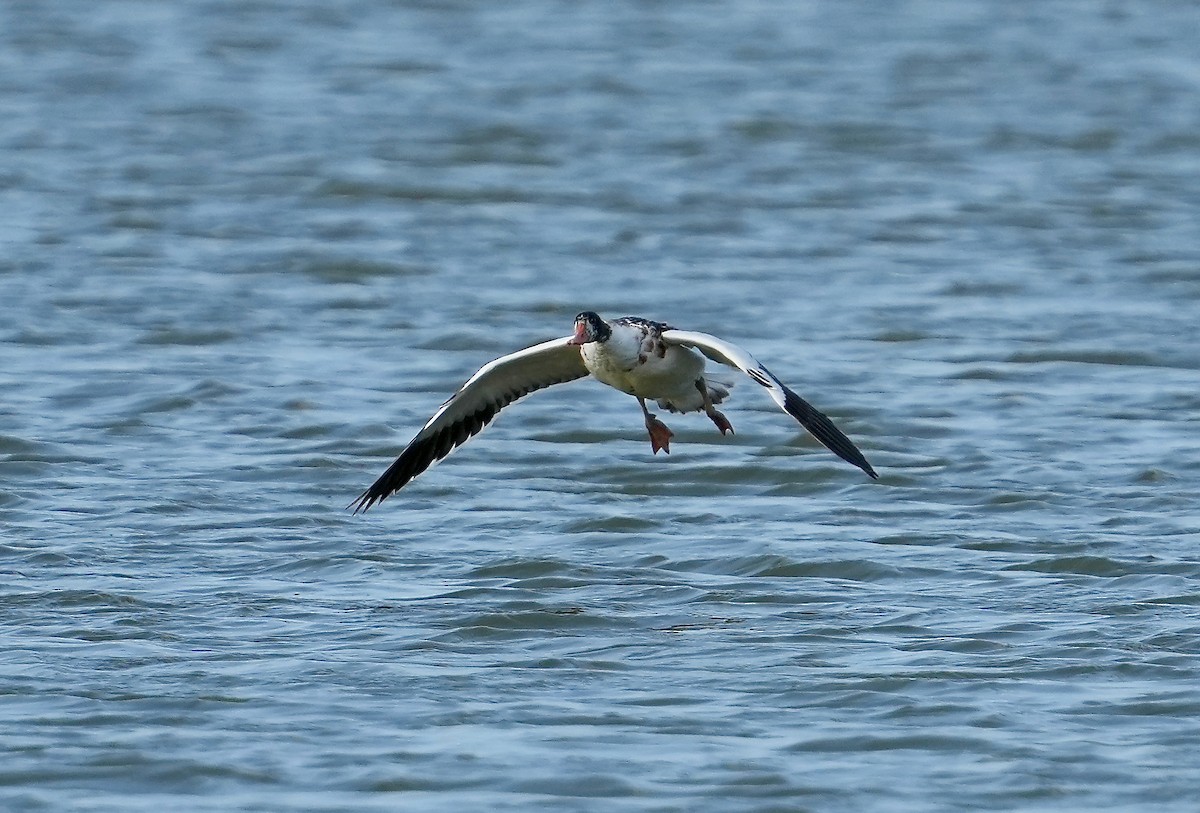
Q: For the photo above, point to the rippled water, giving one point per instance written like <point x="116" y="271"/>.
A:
<point x="249" y="247"/>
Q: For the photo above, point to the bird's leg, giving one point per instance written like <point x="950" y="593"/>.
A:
<point x="716" y="417"/>
<point x="660" y="435"/>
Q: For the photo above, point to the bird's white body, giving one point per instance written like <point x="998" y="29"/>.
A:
<point x="643" y="366"/>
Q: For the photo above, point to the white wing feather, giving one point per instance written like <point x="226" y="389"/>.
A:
<point x="815" y="421"/>
<point x="496" y="385"/>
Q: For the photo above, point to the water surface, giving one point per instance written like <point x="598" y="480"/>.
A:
<point x="250" y="247"/>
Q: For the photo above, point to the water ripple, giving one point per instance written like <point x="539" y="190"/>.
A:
<point x="251" y="247"/>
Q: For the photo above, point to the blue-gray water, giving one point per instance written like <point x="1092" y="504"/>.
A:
<point x="248" y="248"/>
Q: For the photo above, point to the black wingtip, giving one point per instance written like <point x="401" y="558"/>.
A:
<point x="420" y="454"/>
<point x="378" y="492"/>
<point x="362" y="502"/>
<point x="412" y="461"/>
<point x="823" y="429"/>
<point x="416" y="457"/>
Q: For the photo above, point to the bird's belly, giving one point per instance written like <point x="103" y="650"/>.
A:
<point x="613" y="374"/>
<point x="647" y="376"/>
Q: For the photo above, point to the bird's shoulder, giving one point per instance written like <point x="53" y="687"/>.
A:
<point x="646" y="326"/>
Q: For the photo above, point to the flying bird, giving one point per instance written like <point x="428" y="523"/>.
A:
<point x="645" y="359"/>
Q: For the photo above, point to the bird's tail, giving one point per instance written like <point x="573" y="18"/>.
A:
<point x="718" y="391"/>
<point x="691" y="401"/>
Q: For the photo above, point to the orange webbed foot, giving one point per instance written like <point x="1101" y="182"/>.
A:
<point x="660" y="435"/>
<point x="721" y="421"/>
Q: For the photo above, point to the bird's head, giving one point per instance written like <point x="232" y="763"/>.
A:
<point x="589" y="327"/>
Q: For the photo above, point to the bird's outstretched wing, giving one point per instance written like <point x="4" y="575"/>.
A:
<point x="809" y="416"/>
<point x="497" y="384"/>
